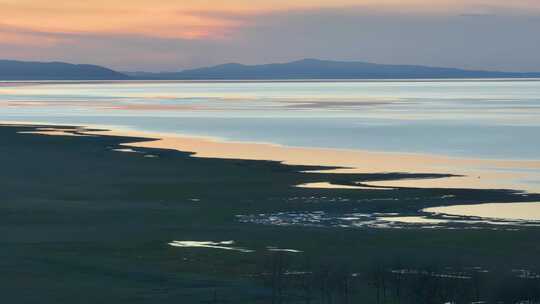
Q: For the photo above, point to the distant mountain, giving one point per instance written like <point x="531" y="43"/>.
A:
<point x="21" y="70"/>
<point x="302" y="69"/>
<point x="322" y="69"/>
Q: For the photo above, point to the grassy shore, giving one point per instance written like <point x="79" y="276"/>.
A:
<point x="82" y="223"/>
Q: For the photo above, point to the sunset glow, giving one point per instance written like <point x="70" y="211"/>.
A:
<point x="189" y="18"/>
<point x="185" y="33"/>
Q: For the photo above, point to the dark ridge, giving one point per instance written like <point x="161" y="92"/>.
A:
<point x="324" y="69"/>
<point x="21" y="70"/>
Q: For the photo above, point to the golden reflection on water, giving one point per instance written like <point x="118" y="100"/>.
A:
<point x="55" y="132"/>
<point x="326" y="185"/>
<point x="413" y="220"/>
<point x="476" y="173"/>
<point x="506" y="211"/>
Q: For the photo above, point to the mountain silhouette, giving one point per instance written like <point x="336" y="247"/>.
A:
<point x="325" y="69"/>
<point x="22" y="70"/>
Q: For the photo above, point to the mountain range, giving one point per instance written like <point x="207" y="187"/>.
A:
<point x="296" y="70"/>
<point x="24" y="70"/>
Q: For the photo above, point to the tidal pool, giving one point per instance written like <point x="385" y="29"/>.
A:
<point x="502" y="211"/>
<point x="413" y="220"/>
<point x="225" y="245"/>
<point x="326" y="185"/>
<point x="427" y="219"/>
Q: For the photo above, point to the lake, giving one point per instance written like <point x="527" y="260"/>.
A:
<point x="474" y="127"/>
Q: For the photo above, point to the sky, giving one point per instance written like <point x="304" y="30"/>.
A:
<point x="170" y="35"/>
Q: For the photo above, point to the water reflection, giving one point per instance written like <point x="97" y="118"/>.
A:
<point x="458" y="127"/>
<point x="224" y="245"/>
<point x="504" y="211"/>
<point x="472" y="173"/>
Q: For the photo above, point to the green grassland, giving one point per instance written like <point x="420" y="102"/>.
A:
<point x="81" y="223"/>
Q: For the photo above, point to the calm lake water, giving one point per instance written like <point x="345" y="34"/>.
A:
<point x="494" y="119"/>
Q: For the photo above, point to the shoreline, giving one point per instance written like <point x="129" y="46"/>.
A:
<point x="466" y="173"/>
<point x="75" y="205"/>
<point x="292" y="80"/>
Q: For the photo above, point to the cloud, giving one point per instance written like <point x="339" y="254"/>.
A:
<point x="470" y="36"/>
<point x="195" y="19"/>
<point x="475" y="15"/>
<point x="499" y="42"/>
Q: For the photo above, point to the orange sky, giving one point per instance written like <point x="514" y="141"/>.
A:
<point x="194" y="18"/>
<point x="174" y="34"/>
